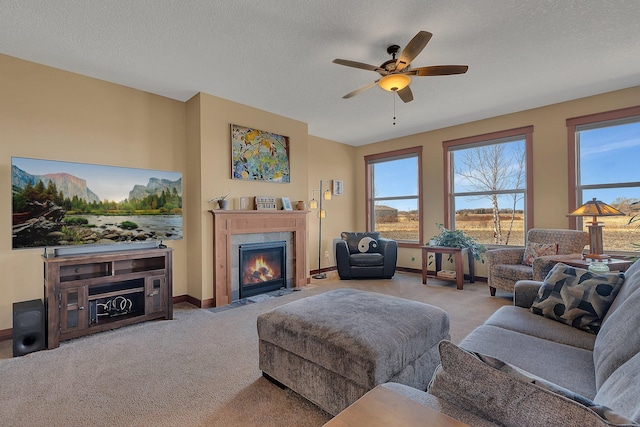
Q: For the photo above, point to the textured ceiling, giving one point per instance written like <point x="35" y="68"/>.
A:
<point x="276" y="55"/>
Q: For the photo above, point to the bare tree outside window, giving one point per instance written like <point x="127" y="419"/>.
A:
<point x="492" y="177"/>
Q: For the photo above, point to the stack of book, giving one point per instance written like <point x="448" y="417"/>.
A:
<point x="446" y="274"/>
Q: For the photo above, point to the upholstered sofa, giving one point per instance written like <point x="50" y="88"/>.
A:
<point x="506" y="267"/>
<point x="558" y="359"/>
<point x="365" y="255"/>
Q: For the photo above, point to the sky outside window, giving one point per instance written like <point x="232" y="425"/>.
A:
<point x="396" y="178"/>
<point x="610" y="155"/>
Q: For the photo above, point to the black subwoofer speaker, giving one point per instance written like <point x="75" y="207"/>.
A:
<point x="28" y="327"/>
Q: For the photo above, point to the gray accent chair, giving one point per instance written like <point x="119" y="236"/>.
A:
<point x="505" y="266"/>
<point x="365" y="256"/>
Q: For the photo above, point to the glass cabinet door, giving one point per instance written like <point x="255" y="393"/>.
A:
<point x="73" y="311"/>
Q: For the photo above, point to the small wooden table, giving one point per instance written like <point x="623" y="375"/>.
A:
<point x="382" y="407"/>
<point x="614" y="264"/>
<point x="457" y="258"/>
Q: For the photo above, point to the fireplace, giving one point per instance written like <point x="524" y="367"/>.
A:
<point x="233" y="228"/>
<point x="262" y="267"/>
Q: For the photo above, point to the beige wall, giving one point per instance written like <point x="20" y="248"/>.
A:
<point x="52" y="114"/>
<point x="550" y="177"/>
<point x="330" y="161"/>
<point x="216" y="116"/>
<point x="192" y="189"/>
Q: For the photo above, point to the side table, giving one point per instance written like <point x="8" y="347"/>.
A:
<point x="457" y="258"/>
<point x="614" y="264"/>
<point x="382" y="407"/>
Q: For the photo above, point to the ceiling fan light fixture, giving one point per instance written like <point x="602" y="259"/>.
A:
<point x="394" y="82"/>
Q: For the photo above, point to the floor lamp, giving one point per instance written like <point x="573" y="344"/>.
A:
<point x="313" y="204"/>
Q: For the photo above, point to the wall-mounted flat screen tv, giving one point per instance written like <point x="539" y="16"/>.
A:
<point x="62" y="204"/>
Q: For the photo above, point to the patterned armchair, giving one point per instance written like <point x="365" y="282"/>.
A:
<point x="505" y="265"/>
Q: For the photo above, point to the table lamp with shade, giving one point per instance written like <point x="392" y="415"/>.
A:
<point x="595" y="208"/>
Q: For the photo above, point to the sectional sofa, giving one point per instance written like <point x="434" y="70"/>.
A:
<point x="522" y="367"/>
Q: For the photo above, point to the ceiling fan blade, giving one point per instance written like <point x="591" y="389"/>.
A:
<point x="360" y="90"/>
<point x="440" y="70"/>
<point x="413" y="49"/>
<point x="405" y="94"/>
<point x="356" y="64"/>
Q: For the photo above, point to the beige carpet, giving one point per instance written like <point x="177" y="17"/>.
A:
<point x="200" y="369"/>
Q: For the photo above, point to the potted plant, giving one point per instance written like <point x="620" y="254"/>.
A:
<point x="221" y="200"/>
<point x="457" y="239"/>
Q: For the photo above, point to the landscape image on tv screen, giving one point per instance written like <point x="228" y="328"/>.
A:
<point x="62" y="203"/>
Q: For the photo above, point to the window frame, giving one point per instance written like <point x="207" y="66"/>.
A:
<point x="372" y="159"/>
<point x="527" y="133"/>
<point x="574" y="123"/>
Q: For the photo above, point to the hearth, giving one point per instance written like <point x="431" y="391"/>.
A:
<point x="234" y="228"/>
<point x="262" y="267"/>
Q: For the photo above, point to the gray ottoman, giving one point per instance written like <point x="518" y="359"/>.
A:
<point x="334" y="347"/>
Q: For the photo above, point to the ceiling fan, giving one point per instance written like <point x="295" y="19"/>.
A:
<point x="395" y="73"/>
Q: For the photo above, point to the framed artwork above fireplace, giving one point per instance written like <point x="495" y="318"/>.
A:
<point x="257" y="155"/>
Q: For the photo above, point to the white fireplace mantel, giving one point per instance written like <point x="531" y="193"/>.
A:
<point x="227" y="223"/>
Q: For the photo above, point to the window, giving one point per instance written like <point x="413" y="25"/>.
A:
<point x="488" y="186"/>
<point x="603" y="153"/>
<point x="394" y="196"/>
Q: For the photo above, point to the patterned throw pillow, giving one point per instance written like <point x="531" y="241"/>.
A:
<point x="365" y="242"/>
<point x="577" y="297"/>
<point x="535" y="250"/>
<point x="511" y="396"/>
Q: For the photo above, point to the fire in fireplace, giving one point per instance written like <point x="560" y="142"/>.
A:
<point x="262" y="267"/>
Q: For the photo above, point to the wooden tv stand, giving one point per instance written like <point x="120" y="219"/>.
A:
<point x="95" y="292"/>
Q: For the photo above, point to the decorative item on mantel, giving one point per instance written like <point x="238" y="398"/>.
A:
<point x="243" y="203"/>
<point x="265" y="203"/>
<point x="222" y="201"/>
<point x="286" y="204"/>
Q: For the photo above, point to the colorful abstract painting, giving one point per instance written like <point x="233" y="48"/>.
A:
<point x="258" y="155"/>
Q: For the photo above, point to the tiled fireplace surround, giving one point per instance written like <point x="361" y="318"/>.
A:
<point x="243" y="239"/>
<point x="233" y="228"/>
